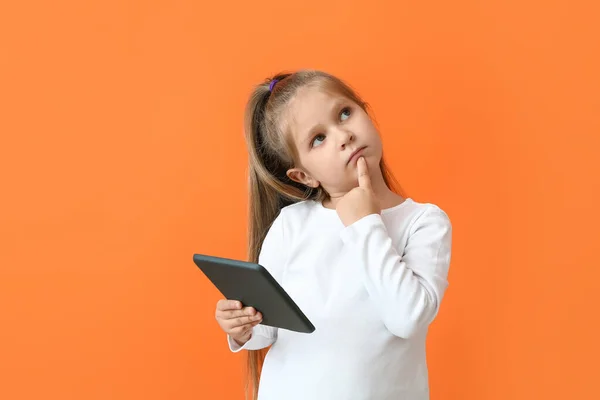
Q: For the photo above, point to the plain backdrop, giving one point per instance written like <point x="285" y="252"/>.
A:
<point x="122" y="154"/>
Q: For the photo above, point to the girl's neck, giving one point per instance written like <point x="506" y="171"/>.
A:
<point x="387" y="198"/>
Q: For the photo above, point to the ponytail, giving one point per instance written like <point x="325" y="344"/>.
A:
<point x="270" y="190"/>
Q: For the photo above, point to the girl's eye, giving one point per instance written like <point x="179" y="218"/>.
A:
<point x="345" y="114"/>
<point x="318" y="140"/>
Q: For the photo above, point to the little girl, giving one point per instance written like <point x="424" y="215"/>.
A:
<point x="368" y="267"/>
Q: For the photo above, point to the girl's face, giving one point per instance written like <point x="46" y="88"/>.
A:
<point x="330" y="133"/>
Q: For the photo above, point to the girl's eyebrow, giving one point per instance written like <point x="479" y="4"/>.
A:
<point x="336" y="105"/>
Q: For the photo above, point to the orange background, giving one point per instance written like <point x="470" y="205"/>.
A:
<point x="122" y="154"/>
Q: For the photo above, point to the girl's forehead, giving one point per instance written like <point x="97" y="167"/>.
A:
<point x="309" y="95"/>
<point x="310" y="103"/>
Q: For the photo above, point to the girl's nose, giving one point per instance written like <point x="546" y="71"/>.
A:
<point x="345" y="138"/>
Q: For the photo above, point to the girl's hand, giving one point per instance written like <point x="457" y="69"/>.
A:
<point x="360" y="201"/>
<point x="236" y="321"/>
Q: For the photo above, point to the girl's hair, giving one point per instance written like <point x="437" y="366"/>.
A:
<point x="271" y="154"/>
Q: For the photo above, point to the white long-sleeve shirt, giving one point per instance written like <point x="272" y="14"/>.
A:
<point x="371" y="289"/>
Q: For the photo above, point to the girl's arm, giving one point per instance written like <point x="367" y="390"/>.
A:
<point x="272" y="257"/>
<point x="407" y="288"/>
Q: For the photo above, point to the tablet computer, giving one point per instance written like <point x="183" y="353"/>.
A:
<point x="254" y="286"/>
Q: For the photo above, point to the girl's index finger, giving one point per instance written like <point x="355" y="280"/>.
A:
<point x="364" y="181"/>
<point x="235" y="304"/>
<point x="229" y="305"/>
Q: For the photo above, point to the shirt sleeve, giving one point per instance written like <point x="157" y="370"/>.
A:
<point x="407" y="288"/>
<point x="272" y="257"/>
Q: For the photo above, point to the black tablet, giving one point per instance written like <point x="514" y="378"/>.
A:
<point x="255" y="287"/>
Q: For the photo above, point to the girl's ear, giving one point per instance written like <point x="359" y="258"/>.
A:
<point x="297" y="175"/>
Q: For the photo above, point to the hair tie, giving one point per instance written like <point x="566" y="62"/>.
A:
<point x="272" y="84"/>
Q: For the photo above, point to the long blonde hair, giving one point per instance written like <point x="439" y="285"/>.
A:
<point x="271" y="154"/>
